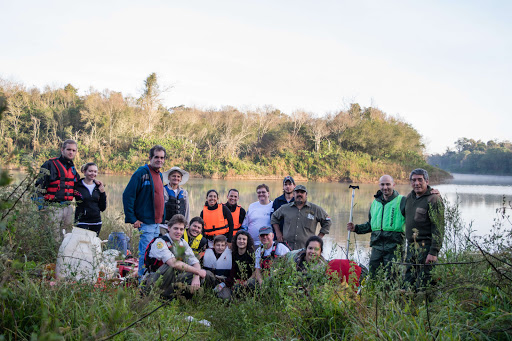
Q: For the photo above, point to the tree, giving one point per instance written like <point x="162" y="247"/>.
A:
<point x="150" y="101"/>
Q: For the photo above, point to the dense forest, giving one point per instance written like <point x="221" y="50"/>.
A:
<point x="476" y="157"/>
<point x="116" y="131"/>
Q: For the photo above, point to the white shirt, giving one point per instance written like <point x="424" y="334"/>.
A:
<point x="89" y="187"/>
<point x="281" y="250"/>
<point x="257" y="216"/>
<point x="160" y="250"/>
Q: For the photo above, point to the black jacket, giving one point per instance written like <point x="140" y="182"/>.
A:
<point x="89" y="206"/>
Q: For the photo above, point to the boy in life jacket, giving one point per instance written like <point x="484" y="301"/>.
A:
<point x="267" y="252"/>
<point x="218" y="261"/>
<point x="171" y="258"/>
<point x="195" y="238"/>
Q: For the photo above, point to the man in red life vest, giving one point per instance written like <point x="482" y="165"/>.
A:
<point x="267" y="252"/>
<point x="57" y="184"/>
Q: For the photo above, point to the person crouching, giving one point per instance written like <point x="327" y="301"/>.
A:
<point x="218" y="261"/>
<point x="171" y="258"/>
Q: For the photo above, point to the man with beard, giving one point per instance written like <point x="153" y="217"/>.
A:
<point x="300" y="219"/>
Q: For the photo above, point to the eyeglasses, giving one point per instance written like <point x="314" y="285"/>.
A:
<point x="261" y="192"/>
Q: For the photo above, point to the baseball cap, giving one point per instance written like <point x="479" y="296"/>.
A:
<point x="265" y="230"/>
<point x="288" y="178"/>
<point x="300" y="188"/>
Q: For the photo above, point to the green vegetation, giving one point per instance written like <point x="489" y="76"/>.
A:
<point x="471" y="299"/>
<point x="116" y="132"/>
<point x="476" y="157"/>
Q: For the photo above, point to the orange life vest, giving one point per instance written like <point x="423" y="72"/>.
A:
<point x="61" y="189"/>
<point x="237" y="225"/>
<point x="214" y="222"/>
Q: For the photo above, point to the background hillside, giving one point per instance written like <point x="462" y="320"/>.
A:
<point x="116" y="131"/>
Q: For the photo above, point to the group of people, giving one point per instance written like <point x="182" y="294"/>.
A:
<point x="60" y="184"/>
<point x="227" y="247"/>
<point x="229" y="243"/>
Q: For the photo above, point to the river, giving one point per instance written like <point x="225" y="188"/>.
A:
<point x="479" y="196"/>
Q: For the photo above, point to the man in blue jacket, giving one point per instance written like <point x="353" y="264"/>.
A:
<point x="143" y="200"/>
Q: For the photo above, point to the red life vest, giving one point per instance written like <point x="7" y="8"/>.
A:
<point x="214" y="222"/>
<point x="266" y="261"/>
<point x="61" y="189"/>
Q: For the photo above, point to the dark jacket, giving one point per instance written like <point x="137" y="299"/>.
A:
<point x="278" y="202"/>
<point x="89" y="206"/>
<point x="424" y="220"/>
<point x="138" y="197"/>
<point x="384" y="239"/>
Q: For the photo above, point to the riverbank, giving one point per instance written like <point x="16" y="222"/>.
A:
<point x="436" y="175"/>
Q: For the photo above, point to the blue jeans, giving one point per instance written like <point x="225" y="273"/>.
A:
<point x="148" y="232"/>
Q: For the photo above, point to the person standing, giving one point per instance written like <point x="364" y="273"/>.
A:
<point x="286" y="198"/>
<point x="300" y="220"/>
<point x="176" y="198"/>
<point x="143" y="200"/>
<point x="217" y="218"/>
<point x="57" y="185"/>
<point x="237" y="211"/>
<point x="386" y="223"/>
<point x="424" y="227"/>
<point x="90" y="198"/>
<point x="258" y="214"/>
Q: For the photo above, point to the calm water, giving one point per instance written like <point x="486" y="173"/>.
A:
<point x="479" y="198"/>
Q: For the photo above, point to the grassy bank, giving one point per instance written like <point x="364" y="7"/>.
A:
<point x="471" y="299"/>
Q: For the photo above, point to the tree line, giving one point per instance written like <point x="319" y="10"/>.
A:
<point x="116" y="131"/>
<point x="476" y="157"/>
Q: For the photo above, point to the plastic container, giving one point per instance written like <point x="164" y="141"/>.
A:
<point x="79" y="256"/>
<point x="118" y="241"/>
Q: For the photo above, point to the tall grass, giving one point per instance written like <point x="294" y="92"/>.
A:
<point x="471" y="298"/>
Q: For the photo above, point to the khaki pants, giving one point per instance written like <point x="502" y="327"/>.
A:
<point x="61" y="218"/>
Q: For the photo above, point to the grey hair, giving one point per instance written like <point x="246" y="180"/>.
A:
<point x="419" y="171"/>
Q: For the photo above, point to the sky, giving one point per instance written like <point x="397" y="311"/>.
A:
<point x="442" y="66"/>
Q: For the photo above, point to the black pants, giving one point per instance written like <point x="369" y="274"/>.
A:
<point x="418" y="274"/>
<point x="95" y="228"/>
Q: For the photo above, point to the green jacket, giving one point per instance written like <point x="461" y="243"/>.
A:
<point x="424" y="220"/>
<point x="385" y="239"/>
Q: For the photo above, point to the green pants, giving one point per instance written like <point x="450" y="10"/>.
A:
<point x="383" y="256"/>
<point x="418" y="274"/>
<point x="173" y="282"/>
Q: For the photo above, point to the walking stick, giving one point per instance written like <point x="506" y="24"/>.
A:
<point x="351" y="211"/>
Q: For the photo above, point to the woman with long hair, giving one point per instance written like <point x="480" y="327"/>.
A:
<point x="217" y="218"/>
<point x="91" y="199"/>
